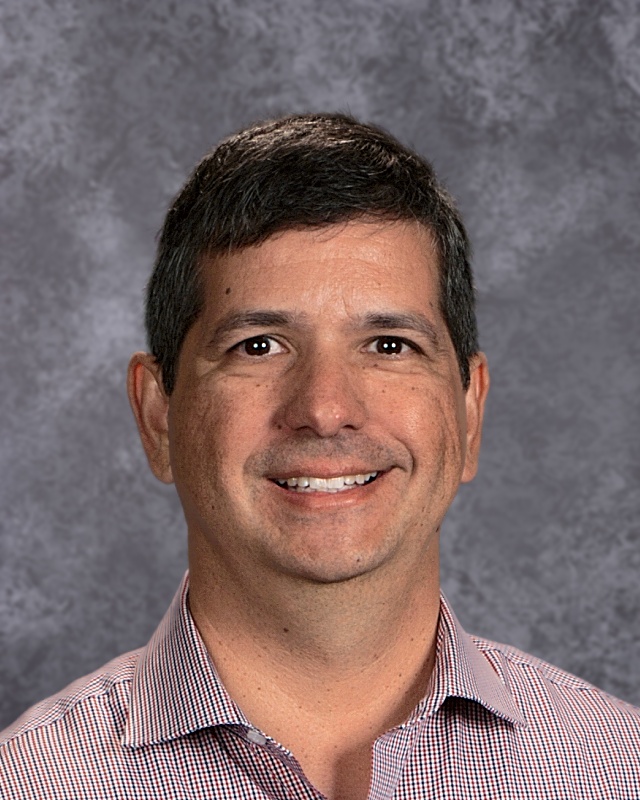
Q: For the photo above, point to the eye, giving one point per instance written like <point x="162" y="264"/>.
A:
<point x="391" y="346"/>
<point x="260" y="346"/>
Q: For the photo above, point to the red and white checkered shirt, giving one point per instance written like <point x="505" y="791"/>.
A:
<point x="158" y="723"/>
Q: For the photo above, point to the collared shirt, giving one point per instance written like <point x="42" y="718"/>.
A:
<point x="158" y="723"/>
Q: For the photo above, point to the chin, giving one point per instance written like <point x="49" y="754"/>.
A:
<point x="332" y="571"/>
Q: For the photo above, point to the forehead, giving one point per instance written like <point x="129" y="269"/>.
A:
<point x="352" y="267"/>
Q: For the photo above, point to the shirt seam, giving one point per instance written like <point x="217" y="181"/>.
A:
<point x="41" y="724"/>
<point x="546" y="671"/>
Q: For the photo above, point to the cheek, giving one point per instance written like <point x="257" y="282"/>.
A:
<point x="196" y="439"/>
<point x="212" y="431"/>
<point x="432" y="425"/>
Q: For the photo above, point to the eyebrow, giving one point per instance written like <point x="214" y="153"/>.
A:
<point x="253" y="319"/>
<point x="385" y="320"/>
<point x="404" y="320"/>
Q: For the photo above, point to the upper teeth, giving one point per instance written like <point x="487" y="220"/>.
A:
<point x="326" y="484"/>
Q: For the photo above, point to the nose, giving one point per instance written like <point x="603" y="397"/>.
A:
<point x="323" y="395"/>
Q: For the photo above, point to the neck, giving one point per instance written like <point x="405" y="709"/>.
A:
<point x="346" y="661"/>
<point x="316" y="635"/>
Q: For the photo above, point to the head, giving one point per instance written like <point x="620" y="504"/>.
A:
<point x="311" y="323"/>
<point x="295" y="173"/>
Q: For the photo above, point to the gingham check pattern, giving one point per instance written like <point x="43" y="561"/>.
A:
<point x="158" y="724"/>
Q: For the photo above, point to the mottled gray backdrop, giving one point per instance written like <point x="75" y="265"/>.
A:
<point x="530" y="111"/>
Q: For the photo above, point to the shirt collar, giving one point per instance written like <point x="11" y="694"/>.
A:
<point x="176" y="689"/>
<point x="463" y="670"/>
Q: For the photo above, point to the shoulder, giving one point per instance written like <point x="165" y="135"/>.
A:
<point x="81" y="725"/>
<point x="557" y="701"/>
<point x="106" y="688"/>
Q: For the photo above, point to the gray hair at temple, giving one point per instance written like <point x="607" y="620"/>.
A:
<point x="297" y="172"/>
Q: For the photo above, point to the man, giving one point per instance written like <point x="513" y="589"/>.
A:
<point x="315" y="390"/>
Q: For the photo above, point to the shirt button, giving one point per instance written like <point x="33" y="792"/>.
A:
<point x="255" y="736"/>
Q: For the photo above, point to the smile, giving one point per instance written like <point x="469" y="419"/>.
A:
<point x="330" y="485"/>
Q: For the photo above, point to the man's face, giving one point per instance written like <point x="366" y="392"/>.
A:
<point x="318" y="427"/>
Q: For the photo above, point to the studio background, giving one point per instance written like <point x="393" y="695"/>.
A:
<point x="530" y="112"/>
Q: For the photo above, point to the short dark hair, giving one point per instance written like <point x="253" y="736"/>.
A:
<point x="301" y="171"/>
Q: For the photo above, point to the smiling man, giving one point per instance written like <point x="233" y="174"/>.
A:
<point x="315" y="391"/>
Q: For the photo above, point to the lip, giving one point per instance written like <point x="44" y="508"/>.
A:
<point x="351" y="496"/>
<point x="310" y="471"/>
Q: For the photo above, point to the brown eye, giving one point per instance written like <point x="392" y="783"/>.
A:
<point x="390" y="346"/>
<point x="260" y="346"/>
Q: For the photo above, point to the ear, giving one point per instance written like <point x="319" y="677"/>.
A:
<point x="150" y="406"/>
<point x="474" y="403"/>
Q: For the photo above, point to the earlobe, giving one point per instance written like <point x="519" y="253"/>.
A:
<point x="150" y="406"/>
<point x="475" y="398"/>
